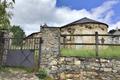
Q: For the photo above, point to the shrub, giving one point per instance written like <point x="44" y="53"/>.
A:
<point x="42" y="74"/>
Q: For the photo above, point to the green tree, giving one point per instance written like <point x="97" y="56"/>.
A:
<point x="5" y="14"/>
<point x="18" y="34"/>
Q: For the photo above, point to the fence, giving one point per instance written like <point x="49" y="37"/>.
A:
<point x="105" y="40"/>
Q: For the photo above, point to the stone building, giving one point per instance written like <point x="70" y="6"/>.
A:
<point x="115" y="39"/>
<point x="32" y="41"/>
<point x="84" y="26"/>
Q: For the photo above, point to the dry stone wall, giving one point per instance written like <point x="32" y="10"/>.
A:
<point x="73" y="68"/>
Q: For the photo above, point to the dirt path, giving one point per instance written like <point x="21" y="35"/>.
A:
<point x="17" y="75"/>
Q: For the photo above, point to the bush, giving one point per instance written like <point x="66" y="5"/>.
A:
<point x="42" y="74"/>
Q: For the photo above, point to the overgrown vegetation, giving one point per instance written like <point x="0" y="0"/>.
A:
<point x="106" y="52"/>
<point x="42" y="74"/>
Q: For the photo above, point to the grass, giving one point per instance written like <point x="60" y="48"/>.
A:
<point x="78" y="52"/>
<point x="108" y="52"/>
<point x="22" y="69"/>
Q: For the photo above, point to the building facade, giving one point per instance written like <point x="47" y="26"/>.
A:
<point x="84" y="26"/>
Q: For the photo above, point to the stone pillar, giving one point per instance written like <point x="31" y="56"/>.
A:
<point x="1" y="46"/>
<point x="50" y="45"/>
<point x="6" y="43"/>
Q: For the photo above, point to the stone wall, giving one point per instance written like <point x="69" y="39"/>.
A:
<point x="50" y="45"/>
<point x="73" y="68"/>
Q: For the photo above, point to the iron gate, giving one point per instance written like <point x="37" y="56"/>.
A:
<point x="22" y="52"/>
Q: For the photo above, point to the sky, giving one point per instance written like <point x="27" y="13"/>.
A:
<point x="30" y="14"/>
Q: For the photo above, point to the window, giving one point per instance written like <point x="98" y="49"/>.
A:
<point x="88" y="26"/>
<point x="102" y="29"/>
<point x="71" y="30"/>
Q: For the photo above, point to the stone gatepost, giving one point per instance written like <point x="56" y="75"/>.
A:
<point x="1" y="46"/>
<point x="50" y="48"/>
<point x="4" y="41"/>
<point x="50" y="45"/>
<point x="6" y="47"/>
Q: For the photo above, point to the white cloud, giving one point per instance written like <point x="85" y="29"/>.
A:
<point x="66" y="15"/>
<point x="105" y="7"/>
<point x="115" y="25"/>
<point x="30" y="14"/>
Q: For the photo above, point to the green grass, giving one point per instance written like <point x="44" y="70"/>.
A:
<point x="108" y="52"/>
<point x="78" y="52"/>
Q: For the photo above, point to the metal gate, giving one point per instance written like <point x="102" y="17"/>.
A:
<point x="22" y="52"/>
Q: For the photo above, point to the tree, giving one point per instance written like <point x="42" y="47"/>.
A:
<point x="5" y="15"/>
<point x="18" y="34"/>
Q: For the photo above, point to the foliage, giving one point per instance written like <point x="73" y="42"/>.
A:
<point x="18" y="35"/>
<point x="105" y="52"/>
<point x="42" y="73"/>
<point x="5" y="14"/>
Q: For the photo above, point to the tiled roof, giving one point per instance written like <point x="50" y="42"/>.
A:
<point x="31" y="35"/>
<point x="84" y="20"/>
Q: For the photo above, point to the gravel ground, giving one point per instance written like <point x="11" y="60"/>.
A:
<point x="17" y="75"/>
